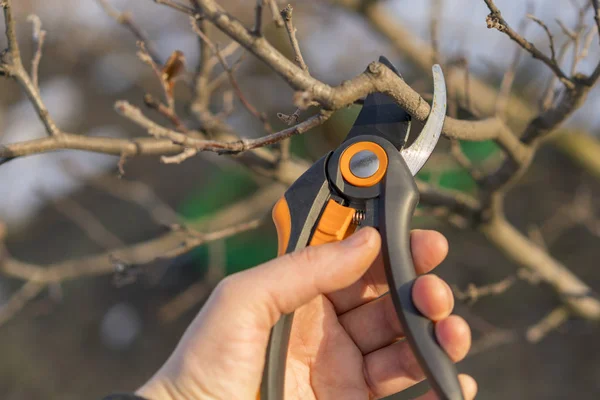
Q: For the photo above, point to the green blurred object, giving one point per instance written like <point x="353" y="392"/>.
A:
<point x="224" y="187"/>
<point x="478" y="152"/>
<point x="457" y="178"/>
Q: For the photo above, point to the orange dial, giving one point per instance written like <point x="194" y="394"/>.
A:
<point x="363" y="164"/>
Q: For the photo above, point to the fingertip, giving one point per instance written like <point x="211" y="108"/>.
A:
<point x="454" y="335"/>
<point x="433" y="297"/>
<point x="468" y="385"/>
<point x="429" y="248"/>
<point x="372" y="238"/>
<point x="350" y="259"/>
<point x="365" y="244"/>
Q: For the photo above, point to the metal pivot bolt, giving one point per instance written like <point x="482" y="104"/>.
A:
<point x="364" y="164"/>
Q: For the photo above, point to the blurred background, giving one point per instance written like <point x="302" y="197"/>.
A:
<point x="87" y="337"/>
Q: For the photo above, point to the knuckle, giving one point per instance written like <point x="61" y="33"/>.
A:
<point x="227" y="287"/>
<point x="390" y="316"/>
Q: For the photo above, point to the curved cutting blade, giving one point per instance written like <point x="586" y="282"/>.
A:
<point x="418" y="153"/>
<point x="381" y="116"/>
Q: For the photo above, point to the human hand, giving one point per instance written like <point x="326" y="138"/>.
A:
<point x="345" y="337"/>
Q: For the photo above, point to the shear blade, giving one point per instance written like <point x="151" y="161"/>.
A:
<point x="418" y="153"/>
<point x="381" y="116"/>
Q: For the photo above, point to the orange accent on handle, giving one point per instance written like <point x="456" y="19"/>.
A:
<point x="283" y="224"/>
<point x="351" y="151"/>
<point x="335" y="224"/>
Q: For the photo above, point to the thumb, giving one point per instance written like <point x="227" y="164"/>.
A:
<point x="288" y="282"/>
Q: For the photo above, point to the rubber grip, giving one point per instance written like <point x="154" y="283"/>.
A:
<point x="294" y="215"/>
<point x="397" y="202"/>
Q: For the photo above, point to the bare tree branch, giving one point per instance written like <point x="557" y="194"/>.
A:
<point x="286" y="13"/>
<point x="596" y="5"/>
<point x="14" y="53"/>
<point x="436" y="9"/>
<point x="496" y="21"/>
<point x="473" y="293"/>
<point x="549" y="34"/>
<point x="275" y="11"/>
<point x="238" y="146"/>
<point x="549" y="323"/>
<point x="18" y="300"/>
<point x="88" y="223"/>
<point x="39" y="36"/>
<point x="177" y="6"/>
<point x="141" y="194"/>
<point x="231" y="76"/>
<point x="574" y="292"/>
<point x="258" y="18"/>
<point x="12" y="66"/>
<point x="168" y="113"/>
<point x="198" y="291"/>
<point x="124" y="18"/>
<point x="169" y="245"/>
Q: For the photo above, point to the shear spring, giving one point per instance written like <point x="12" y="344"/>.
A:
<point x="359" y="216"/>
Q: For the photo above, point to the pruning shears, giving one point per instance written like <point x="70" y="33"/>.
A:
<point x="367" y="181"/>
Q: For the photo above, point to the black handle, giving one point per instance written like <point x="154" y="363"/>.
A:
<point x="398" y="200"/>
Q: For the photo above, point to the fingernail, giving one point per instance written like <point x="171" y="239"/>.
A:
<point x="357" y="239"/>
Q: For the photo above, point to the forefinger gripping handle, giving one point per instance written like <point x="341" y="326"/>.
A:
<point x="397" y="203"/>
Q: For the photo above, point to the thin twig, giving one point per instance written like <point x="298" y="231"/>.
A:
<point x="549" y="34"/>
<point x="286" y="13"/>
<point x="462" y="160"/>
<point x="138" y="193"/>
<point x="202" y="95"/>
<point x="12" y="65"/>
<point x="223" y="77"/>
<point x="151" y="102"/>
<point x="509" y="76"/>
<point x="549" y="323"/>
<point x="198" y="291"/>
<point x="496" y="21"/>
<point x="88" y="223"/>
<point x="596" y="5"/>
<point x="549" y="95"/>
<point x="169" y="245"/>
<point x="275" y="11"/>
<point x="258" y="18"/>
<point x="434" y="29"/>
<point x="39" y="37"/>
<point x="176" y="6"/>
<point x="124" y="18"/>
<point x="11" y="32"/>
<point x="134" y="114"/>
<point x="474" y="293"/>
<point x="19" y="299"/>
<point x="231" y="76"/>
<point x="587" y="43"/>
